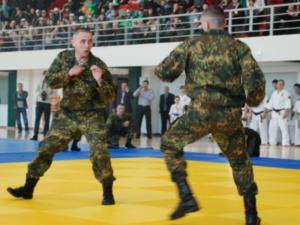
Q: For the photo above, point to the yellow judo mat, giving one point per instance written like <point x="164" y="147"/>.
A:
<point x="68" y="194"/>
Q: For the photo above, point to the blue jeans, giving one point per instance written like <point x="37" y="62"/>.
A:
<point x="23" y="112"/>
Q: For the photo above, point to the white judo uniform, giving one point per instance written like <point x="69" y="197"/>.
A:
<point x="280" y="104"/>
<point x="259" y="121"/>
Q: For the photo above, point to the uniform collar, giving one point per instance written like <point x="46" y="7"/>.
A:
<point x="216" y="32"/>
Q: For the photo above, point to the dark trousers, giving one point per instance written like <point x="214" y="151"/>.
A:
<point x="41" y="108"/>
<point x="165" y="119"/>
<point x="141" y="111"/>
<point x="22" y="112"/>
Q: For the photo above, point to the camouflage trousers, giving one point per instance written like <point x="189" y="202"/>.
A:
<point x="226" y="127"/>
<point x="65" y="127"/>
<point x="114" y="136"/>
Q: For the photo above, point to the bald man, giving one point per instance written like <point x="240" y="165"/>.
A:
<point x="87" y="87"/>
<point x="221" y="76"/>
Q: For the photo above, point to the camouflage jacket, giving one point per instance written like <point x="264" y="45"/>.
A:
<point x="114" y="122"/>
<point x="219" y="70"/>
<point x="80" y="93"/>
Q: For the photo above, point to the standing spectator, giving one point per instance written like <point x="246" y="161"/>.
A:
<point x="165" y="103"/>
<point x="21" y="107"/>
<point x="5" y="10"/>
<point x="184" y="99"/>
<point x="296" y="110"/>
<point x="124" y="98"/>
<point x="176" y="110"/>
<point x="280" y="104"/>
<point x="145" y="97"/>
<point x="43" y="107"/>
<point x="293" y="125"/>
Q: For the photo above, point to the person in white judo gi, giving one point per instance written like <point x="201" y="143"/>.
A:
<point x="259" y="121"/>
<point x="280" y="104"/>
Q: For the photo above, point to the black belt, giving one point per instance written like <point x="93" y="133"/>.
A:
<point x="257" y="113"/>
<point x="277" y="110"/>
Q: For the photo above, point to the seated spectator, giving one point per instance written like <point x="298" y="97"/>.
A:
<point x="226" y="5"/>
<point x="291" y="20"/>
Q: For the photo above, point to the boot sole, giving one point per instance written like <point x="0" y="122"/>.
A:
<point x="11" y="192"/>
<point x="108" y="203"/>
<point x="257" y="222"/>
<point x="191" y="210"/>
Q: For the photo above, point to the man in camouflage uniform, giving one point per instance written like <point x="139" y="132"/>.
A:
<point x="221" y="76"/>
<point x="120" y="124"/>
<point x="87" y="86"/>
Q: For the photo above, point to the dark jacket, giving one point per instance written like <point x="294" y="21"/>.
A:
<point x="127" y="101"/>
<point x="23" y="96"/>
<point x="170" y="102"/>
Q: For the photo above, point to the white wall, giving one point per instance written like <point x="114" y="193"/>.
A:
<point x="265" y="49"/>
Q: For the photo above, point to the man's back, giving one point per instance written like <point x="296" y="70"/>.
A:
<point x="218" y="69"/>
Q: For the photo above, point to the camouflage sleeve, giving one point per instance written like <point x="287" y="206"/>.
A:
<point x="252" y="77"/>
<point x="108" y="88"/>
<point x="109" y="123"/>
<point x="57" y="74"/>
<point x="172" y="66"/>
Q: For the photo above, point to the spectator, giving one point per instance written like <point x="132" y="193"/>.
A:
<point x="280" y="104"/>
<point x="176" y="110"/>
<point x="21" y="107"/>
<point x="145" y="97"/>
<point x="43" y="107"/>
<point x="296" y="110"/>
<point x="166" y="100"/>
<point x="124" y="98"/>
<point x="120" y="124"/>
<point x="5" y="10"/>
<point x="290" y="21"/>
<point x="226" y="5"/>
<point x="256" y="11"/>
<point x="185" y="100"/>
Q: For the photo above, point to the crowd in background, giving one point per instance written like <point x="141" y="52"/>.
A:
<point x="17" y="14"/>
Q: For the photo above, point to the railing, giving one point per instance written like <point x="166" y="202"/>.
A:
<point x="272" y="20"/>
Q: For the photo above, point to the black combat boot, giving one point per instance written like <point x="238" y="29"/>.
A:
<point x="74" y="147"/>
<point x="34" y="138"/>
<point x="25" y="191"/>
<point x="108" y="198"/>
<point x="250" y="210"/>
<point x="129" y="144"/>
<point x="187" y="203"/>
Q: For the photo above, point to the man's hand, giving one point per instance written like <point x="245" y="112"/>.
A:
<point x="75" y="71"/>
<point x="97" y="73"/>
<point x="126" y="124"/>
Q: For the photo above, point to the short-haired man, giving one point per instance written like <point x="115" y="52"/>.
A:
<point x="120" y="124"/>
<point x="21" y="107"/>
<point x="87" y="86"/>
<point x="165" y="102"/>
<point x="124" y="97"/>
<point x="280" y="103"/>
<point x="220" y="72"/>
<point x="145" y="97"/>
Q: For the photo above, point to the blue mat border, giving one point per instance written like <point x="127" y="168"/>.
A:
<point x="12" y="157"/>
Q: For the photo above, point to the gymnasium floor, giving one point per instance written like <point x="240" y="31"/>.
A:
<point x="69" y="195"/>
